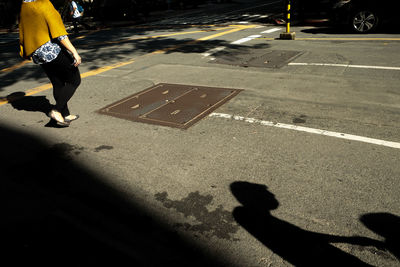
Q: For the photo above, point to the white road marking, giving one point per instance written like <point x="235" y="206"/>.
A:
<point x="345" y="66"/>
<point x="309" y="130"/>
<point x="213" y="51"/>
<point x="271" y="30"/>
<point x="243" y="40"/>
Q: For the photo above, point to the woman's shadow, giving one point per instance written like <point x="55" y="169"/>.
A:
<point x="295" y="245"/>
<point x="386" y="225"/>
<point x="20" y="101"/>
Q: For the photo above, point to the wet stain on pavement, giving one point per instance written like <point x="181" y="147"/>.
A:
<point x="66" y="149"/>
<point x="103" y="147"/>
<point x="217" y="223"/>
<point x="300" y="119"/>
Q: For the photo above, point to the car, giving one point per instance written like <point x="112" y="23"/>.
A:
<point x="311" y="9"/>
<point x="360" y="16"/>
<point x="364" y="16"/>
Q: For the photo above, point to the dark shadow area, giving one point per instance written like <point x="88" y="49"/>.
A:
<point x="386" y="225"/>
<point x="168" y="45"/>
<point x="295" y="245"/>
<point x="30" y="72"/>
<point x="116" y="34"/>
<point x="57" y="212"/>
<point x="329" y="28"/>
<point x="9" y="51"/>
<point x="19" y="101"/>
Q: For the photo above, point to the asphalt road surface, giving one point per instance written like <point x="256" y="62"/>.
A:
<point x="299" y="169"/>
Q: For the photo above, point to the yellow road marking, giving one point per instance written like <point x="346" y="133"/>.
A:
<point x="106" y="68"/>
<point x="16" y="66"/>
<point x="237" y="28"/>
<point x="166" y="26"/>
<point x="138" y="38"/>
<point x="85" y="35"/>
<point x="48" y="86"/>
<point x="116" y="42"/>
<point x="23" y="63"/>
<point x="148" y="37"/>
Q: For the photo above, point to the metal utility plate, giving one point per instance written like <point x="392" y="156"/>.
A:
<point x="260" y="59"/>
<point x="173" y="105"/>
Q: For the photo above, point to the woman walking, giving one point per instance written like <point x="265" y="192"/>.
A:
<point x="43" y="38"/>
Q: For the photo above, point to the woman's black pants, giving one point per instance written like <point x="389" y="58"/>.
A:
<point x="65" y="79"/>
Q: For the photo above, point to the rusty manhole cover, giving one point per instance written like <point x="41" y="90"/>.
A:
<point x="260" y="59"/>
<point x="173" y="105"/>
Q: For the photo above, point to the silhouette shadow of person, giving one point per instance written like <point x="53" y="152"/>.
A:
<point x="30" y="103"/>
<point x="19" y="101"/>
<point x="386" y="225"/>
<point x="295" y="245"/>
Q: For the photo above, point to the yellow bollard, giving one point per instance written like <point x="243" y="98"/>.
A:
<point x="288" y="18"/>
<point x="288" y="35"/>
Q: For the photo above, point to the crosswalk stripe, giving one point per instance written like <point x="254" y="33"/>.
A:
<point x="243" y="40"/>
<point x="309" y="130"/>
<point x="271" y="30"/>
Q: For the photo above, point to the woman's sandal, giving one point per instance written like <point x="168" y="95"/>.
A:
<point x="55" y="115"/>
<point x="70" y="118"/>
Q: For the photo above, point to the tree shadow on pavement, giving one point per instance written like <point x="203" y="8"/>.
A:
<point x="295" y="245"/>
<point x="98" y="54"/>
<point x="57" y="212"/>
<point x="28" y="72"/>
<point x="166" y="45"/>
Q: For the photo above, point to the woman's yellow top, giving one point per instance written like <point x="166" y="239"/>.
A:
<point x="39" y="23"/>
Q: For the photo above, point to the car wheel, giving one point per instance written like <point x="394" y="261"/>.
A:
<point x="364" y="21"/>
